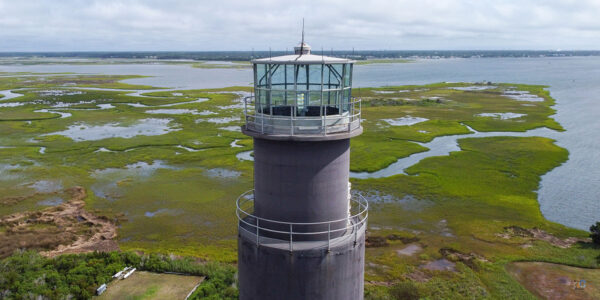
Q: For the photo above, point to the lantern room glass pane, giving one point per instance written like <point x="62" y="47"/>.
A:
<point x="277" y="97"/>
<point x="315" y="98"/>
<point x="278" y="77"/>
<point x="262" y="100"/>
<point x="303" y="90"/>
<point x="315" y="77"/>
<point x="301" y="77"/>
<point x="261" y="75"/>
<point x="289" y="75"/>
<point x="346" y="100"/>
<point x="347" y="75"/>
<point x="333" y="77"/>
<point x="301" y="99"/>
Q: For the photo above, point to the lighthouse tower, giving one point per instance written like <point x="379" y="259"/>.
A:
<point x="301" y="231"/>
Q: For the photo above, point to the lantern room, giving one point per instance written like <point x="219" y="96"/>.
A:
<point x="302" y="93"/>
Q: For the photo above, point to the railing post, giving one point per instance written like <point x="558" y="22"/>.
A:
<point x="328" y="237"/>
<point x="291" y="239"/>
<point x="359" y="110"/>
<point x="257" y="233"/>
<point x="325" y="119"/>
<point x="350" y="113"/>
<point x="355" y="232"/>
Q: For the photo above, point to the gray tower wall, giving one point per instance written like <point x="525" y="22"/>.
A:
<point x="301" y="181"/>
<point x="274" y="273"/>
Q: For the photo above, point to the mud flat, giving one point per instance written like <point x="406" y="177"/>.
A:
<point x="555" y="281"/>
<point x="65" y="228"/>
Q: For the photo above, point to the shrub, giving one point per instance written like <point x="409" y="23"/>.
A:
<point x="595" y="233"/>
<point x="28" y="275"/>
<point x="404" y="290"/>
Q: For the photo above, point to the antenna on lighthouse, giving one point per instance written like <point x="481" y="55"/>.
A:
<point x="302" y="42"/>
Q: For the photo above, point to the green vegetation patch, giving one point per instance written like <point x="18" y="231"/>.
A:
<point x="70" y="80"/>
<point x="465" y="216"/>
<point x="146" y="285"/>
<point x="27" y="274"/>
<point x="421" y="113"/>
<point x="468" y="199"/>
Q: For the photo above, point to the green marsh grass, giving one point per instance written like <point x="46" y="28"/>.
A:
<point x="462" y="201"/>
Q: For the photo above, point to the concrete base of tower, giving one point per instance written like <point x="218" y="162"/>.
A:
<point x="309" y="271"/>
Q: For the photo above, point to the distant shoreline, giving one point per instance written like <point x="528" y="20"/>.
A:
<point x="359" y="55"/>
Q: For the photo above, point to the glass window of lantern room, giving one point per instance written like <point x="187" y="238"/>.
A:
<point x="333" y="84"/>
<point x="348" y="86"/>
<point x="345" y="97"/>
<point x="302" y="81"/>
<point x="315" y="87"/>
<point x="337" y="71"/>
<point x="289" y="84"/>
<point x="267" y="104"/>
<point x="255" y="68"/>
<point x="277" y="87"/>
<point x="261" y="75"/>
<point x="263" y="85"/>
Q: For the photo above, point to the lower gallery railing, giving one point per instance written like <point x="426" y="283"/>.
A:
<point x="263" y="230"/>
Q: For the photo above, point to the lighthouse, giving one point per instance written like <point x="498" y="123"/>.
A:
<point x="301" y="230"/>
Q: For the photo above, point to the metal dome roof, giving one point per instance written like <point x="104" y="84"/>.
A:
<point x="302" y="59"/>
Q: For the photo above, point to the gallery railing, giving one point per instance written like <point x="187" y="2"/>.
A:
<point x="291" y="232"/>
<point x="289" y="119"/>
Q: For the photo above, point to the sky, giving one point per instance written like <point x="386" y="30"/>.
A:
<point x="186" y="25"/>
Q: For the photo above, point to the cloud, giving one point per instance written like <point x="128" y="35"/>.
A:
<point x="241" y="25"/>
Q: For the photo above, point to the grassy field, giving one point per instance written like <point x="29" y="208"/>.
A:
<point x="146" y="285"/>
<point x="175" y="177"/>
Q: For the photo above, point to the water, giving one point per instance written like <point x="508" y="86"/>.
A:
<point x="246" y="155"/>
<point x="234" y="144"/>
<point x="85" y="132"/>
<point x="139" y="169"/>
<point x="173" y="76"/>
<point x="568" y="194"/>
<point x="231" y="128"/>
<point x="222" y="173"/>
<point x="442" y="146"/>
<point x="51" y="201"/>
<point x="188" y="149"/>
<point x="409" y="250"/>
<point x="173" y="111"/>
<point x="405" y="121"/>
<point x="62" y="114"/>
<point x="46" y="186"/>
<point x="440" y="265"/>
<point x="502" y="116"/>
<point x="9" y="95"/>
<point x="107" y="180"/>
<point x="12" y="104"/>
<point x="223" y="120"/>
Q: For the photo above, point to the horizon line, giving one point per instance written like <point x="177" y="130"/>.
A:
<point x="316" y="51"/>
